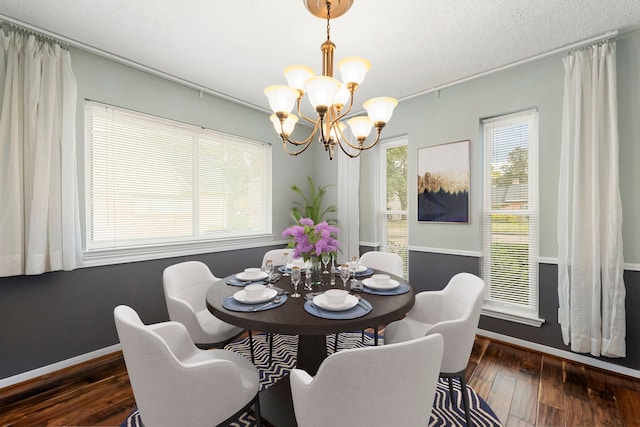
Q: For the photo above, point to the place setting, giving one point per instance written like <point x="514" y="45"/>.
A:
<point x="255" y="297"/>
<point x="336" y="304"/>
<point x="252" y="276"/>
<point x="382" y="284"/>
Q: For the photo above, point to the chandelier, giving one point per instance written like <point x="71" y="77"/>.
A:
<point x="328" y="96"/>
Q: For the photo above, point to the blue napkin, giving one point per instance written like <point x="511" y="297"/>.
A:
<point x="361" y="309"/>
<point x="402" y="288"/>
<point x="230" y="303"/>
<point x="234" y="281"/>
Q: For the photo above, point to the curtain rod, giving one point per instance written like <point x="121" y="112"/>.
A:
<point x="565" y="49"/>
<point x="136" y="65"/>
<point x="30" y="31"/>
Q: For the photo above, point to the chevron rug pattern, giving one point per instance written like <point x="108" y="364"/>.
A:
<point x="445" y="411"/>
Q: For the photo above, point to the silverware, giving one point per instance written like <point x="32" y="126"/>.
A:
<point x="363" y="303"/>
<point x="273" y="301"/>
<point x="309" y="298"/>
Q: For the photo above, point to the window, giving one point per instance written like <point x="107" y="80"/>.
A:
<point x="153" y="181"/>
<point x="510" y="226"/>
<point x="393" y="211"/>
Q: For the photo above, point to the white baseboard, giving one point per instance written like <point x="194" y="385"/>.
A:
<point x="29" y="375"/>
<point x="585" y="360"/>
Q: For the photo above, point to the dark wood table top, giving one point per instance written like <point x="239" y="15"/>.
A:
<point x="291" y="317"/>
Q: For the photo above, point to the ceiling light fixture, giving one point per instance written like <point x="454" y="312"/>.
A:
<point x="328" y="96"/>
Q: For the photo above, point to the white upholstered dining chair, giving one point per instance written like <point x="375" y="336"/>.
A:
<point x="185" y="287"/>
<point x="386" y="261"/>
<point x="276" y="255"/>
<point x="177" y="384"/>
<point x="453" y="312"/>
<point x="390" y="385"/>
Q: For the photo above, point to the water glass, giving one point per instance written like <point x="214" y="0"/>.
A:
<point x="295" y="279"/>
<point x="353" y="265"/>
<point x="268" y="268"/>
<point x="344" y="274"/>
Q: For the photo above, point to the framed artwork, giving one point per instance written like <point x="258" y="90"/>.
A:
<point x="443" y="183"/>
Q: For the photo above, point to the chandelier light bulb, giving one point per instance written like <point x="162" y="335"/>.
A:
<point x="281" y="98"/>
<point x="322" y="91"/>
<point x="353" y="69"/>
<point x="380" y="109"/>
<point x="298" y="74"/>
<point x="360" y="127"/>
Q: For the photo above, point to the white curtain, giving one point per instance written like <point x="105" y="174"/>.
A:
<point x="39" y="215"/>
<point x="591" y="289"/>
<point x="348" y="206"/>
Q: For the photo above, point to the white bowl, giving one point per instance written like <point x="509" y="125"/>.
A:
<point x="252" y="273"/>
<point x="380" y="280"/>
<point x="336" y="296"/>
<point x="254" y="291"/>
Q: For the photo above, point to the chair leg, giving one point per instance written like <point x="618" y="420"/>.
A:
<point x="363" y="336"/>
<point x="465" y="399"/>
<point x="253" y="360"/>
<point x="375" y="336"/>
<point x="256" y="410"/>
<point x="335" y="343"/>
<point x="270" y="338"/>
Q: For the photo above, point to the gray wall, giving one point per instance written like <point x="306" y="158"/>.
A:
<point x="55" y="316"/>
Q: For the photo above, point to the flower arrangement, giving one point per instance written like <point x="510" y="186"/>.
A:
<point x="310" y="240"/>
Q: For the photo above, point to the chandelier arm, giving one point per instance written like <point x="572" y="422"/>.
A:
<point x="301" y="114"/>
<point x="304" y="142"/>
<point x="353" y="156"/>
<point x="378" y="133"/>
<point x="295" y="153"/>
<point x="342" y="138"/>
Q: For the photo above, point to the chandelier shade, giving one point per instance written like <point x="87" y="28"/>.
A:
<point x="281" y="98"/>
<point x="331" y="99"/>
<point x="380" y="109"/>
<point x="353" y="69"/>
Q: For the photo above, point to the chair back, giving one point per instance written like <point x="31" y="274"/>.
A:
<point x="373" y="386"/>
<point x="173" y="382"/>
<point x="386" y="261"/>
<point x="276" y="256"/>
<point x="460" y="309"/>
<point x="185" y="287"/>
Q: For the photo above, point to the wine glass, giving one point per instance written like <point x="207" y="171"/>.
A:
<point x="344" y="274"/>
<point x="353" y="265"/>
<point x="285" y="261"/>
<point x="268" y="268"/>
<point x="326" y="257"/>
<point x="295" y="279"/>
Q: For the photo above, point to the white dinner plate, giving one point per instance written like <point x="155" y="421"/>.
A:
<point x="359" y="269"/>
<point x="241" y="296"/>
<point x="349" y="302"/>
<point x="369" y="283"/>
<point x="243" y="276"/>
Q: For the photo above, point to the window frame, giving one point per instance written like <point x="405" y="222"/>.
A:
<point x="382" y="194"/>
<point x="96" y="254"/>
<point x="501" y="309"/>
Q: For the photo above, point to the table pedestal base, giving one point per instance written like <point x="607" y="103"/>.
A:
<point x="312" y="350"/>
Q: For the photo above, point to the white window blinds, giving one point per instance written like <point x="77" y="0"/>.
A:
<point x="157" y="181"/>
<point x="510" y="226"/>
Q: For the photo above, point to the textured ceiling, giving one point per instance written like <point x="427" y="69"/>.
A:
<point x="238" y="47"/>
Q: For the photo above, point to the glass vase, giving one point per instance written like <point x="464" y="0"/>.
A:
<point x="315" y="271"/>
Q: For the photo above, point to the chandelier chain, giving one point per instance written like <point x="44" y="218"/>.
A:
<point x="328" y="20"/>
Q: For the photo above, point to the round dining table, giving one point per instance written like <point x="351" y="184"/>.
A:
<point x="292" y="318"/>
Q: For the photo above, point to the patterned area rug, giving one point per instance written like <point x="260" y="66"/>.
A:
<point x="445" y="412"/>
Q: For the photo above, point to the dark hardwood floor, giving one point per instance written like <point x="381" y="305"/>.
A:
<point x="524" y="388"/>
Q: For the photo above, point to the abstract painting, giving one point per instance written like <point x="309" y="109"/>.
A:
<point x="443" y="182"/>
